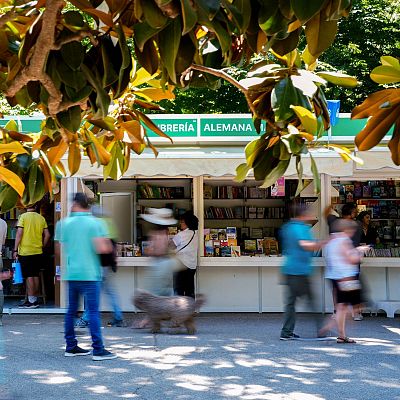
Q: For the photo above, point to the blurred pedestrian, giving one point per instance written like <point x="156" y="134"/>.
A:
<point x="349" y="212"/>
<point x="162" y="263"/>
<point x="109" y="264"/>
<point x="32" y="235"/>
<point x="298" y="245"/>
<point x="83" y="237"/>
<point x="3" y="276"/>
<point x="187" y="245"/>
<point x="342" y="260"/>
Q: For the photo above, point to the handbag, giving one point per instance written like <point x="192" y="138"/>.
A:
<point x="17" y="273"/>
<point x="179" y="266"/>
<point x="348" y="286"/>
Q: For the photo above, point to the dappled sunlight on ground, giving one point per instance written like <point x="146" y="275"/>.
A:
<point x="217" y="363"/>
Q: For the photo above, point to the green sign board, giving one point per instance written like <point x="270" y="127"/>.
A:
<point x="228" y="126"/>
<point x="175" y="127"/>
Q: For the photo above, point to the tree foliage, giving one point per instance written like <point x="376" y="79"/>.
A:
<point x="74" y="64"/>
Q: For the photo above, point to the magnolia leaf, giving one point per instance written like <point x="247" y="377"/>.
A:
<point x="306" y="9"/>
<point x="299" y="169"/>
<point x="103" y="157"/>
<point x="19" y="136"/>
<point x="320" y="34"/>
<point x="74" y="157"/>
<point x="13" y="147"/>
<point x="11" y="125"/>
<point x="306" y="85"/>
<point x="377" y="127"/>
<point x="151" y="125"/>
<point x="345" y="153"/>
<point x="8" y="198"/>
<point x="386" y="74"/>
<point x="252" y="150"/>
<point x="73" y="54"/>
<point x="135" y="131"/>
<point x="153" y="15"/>
<point x="142" y="76"/>
<point x="155" y="94"/>
<point x="307" y="118"/>
<point x="12" y="179"/>
<point x="169" y="41"/>
<point x="276" y="173"/>
<point x="55" y="153"/>
<point x="389" y="60"/>
<point x="317" y="179"/>
<point x="143" y="32"/>
<point x="283" y="96"/>
<point x="337" y="78"/>
<point x="242" y="171"/>
<point x="189" y="16"/>
<point x="70" y="119"/>
<point x="394" y="143"/>
<point x="107" y="123"/>
<point x="241" y="13"/>
<point x="373" y="103"/>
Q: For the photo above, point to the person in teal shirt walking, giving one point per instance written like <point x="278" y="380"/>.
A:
<point x="83" y="237"/>
<point x="298" y="245"/>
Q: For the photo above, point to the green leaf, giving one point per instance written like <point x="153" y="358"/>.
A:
<point x="189" y="16"/>
<point x="169" y="41"/>
<point x="299" y="169"/>
<point x="79" y="95"/>
<point x="241" y="13"/>
<point x="11" y="125"/>
<point x="306" y="85"/>
<point x="307" y="118"/>
<point x="275" y="23"/>
<point x="70" y="119"/>
<point x="143" y="32"/>
<point x="282" y="97"/>
<point x="317" y="180"/>
<point x="35" y="184"/>
<point x="386" y="74"/>
<point x="73" y="54"/>
<point x="252" y="150"/>
<point x="276" y="173"/>
<point x="153" y="15"/>
<point x="8" y="198"/>
<point x="306" y="9"/>
<point x="74" y="18"/>
<point x="210" y="7"/>
<point x="337" y="78"/>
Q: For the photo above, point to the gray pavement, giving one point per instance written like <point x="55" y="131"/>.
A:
<point x="233" y="356"/>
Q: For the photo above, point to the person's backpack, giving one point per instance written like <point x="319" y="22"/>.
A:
<point x="110" y="259"/>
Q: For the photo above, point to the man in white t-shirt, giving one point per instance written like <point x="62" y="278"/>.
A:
<point x="187" y="244"/>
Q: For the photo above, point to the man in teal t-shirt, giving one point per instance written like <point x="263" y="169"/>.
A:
<point x="83" y="237"/>
<point x="297" y="247"/>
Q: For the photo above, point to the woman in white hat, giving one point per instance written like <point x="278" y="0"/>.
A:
<point x="163" y="265"/>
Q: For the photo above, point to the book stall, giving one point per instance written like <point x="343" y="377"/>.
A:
<point x="239" y="255"/>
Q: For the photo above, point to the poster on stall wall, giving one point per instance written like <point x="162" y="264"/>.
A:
<point x="278" y="188"/>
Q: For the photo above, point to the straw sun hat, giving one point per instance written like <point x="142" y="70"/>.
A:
<point x="159" y="216"/>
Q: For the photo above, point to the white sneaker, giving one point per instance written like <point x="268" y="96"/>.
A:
<point x="358" y="317"/>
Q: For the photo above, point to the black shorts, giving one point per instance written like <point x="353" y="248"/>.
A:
<point x="31" y="265"/>
<point x="352" y="297"/>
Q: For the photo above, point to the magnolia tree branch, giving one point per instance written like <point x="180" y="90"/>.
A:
<point x="228" y="78"/>
<point x="35" y="71"/>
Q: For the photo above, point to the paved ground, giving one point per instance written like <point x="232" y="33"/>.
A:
<point x="231" y="357"/>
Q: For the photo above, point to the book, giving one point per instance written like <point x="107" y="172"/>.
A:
<point x="376" y="192"/>
<point x="214" y="234"/>
<point x="222" y="234"/>
<point x="358" y="190"/>
<point x="226" y="251"/>
<point x="366" y="190"/>
<point x="256" y="233"/>
<point x="231" y="232"/>
<point x="252" y="212"/>
<point x="224" y="243"/>
<point x="245" y="233"/>
<point x="207" y="234"/>
<point x="250" y="245"/>
<point x="260" y="212"/>
<point x="260" y="245"/>
<point x="208" y="194"/>
<point x="232" y="242"/>
<point x="208" y="248"/>
<point x="235" y="251"/>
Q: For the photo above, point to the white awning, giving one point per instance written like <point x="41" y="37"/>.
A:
<point x="211" y="161"/>
<point x="377" y="163"/>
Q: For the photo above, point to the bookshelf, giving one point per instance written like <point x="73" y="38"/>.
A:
<point x="241" y="218"/>
<point x="381" y="199"/>
<point x="176" y="194"/>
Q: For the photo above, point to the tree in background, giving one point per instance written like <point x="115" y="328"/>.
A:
<point x="75" y="66"/>
<point x="372" y="30"/>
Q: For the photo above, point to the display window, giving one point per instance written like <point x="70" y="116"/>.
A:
<point x="378" y="213"/>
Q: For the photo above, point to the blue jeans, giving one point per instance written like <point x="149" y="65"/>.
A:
<point x="110" y="291"/>
<point x="91" y="292"/>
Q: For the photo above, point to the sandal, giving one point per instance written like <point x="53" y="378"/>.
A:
<point x="345" y="340"/>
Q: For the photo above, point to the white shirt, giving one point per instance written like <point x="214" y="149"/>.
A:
<point x="337" y="266"/>
<point x="188" y="254"/>
<point x="3" y="231"/>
